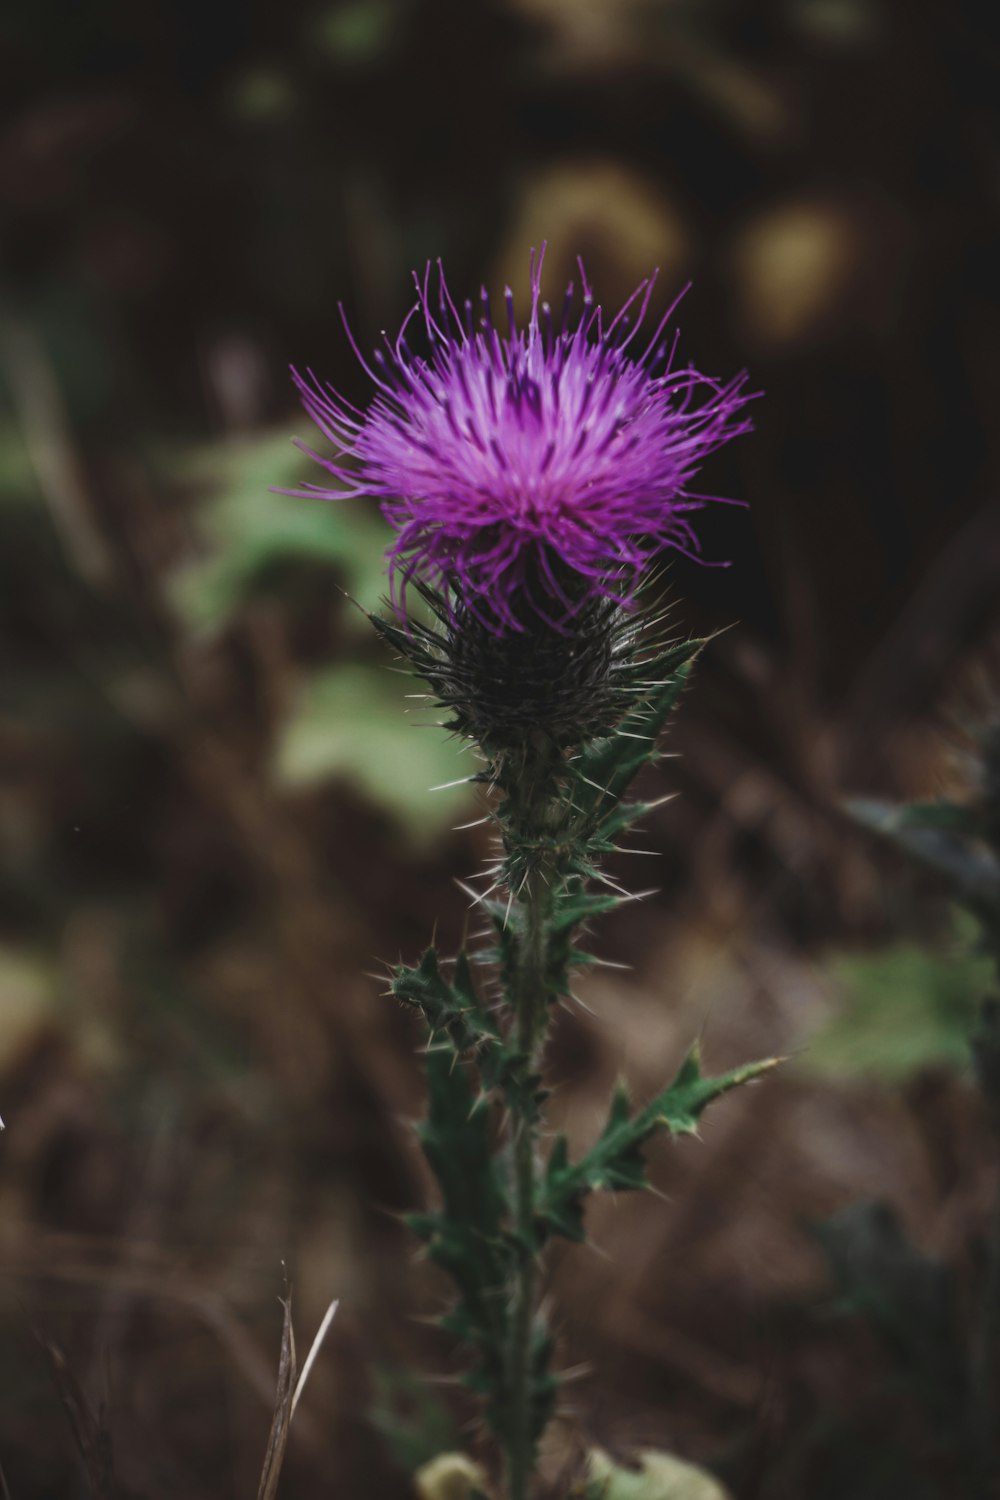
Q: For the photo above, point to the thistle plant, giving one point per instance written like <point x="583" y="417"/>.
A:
<point x="531" y="473"/>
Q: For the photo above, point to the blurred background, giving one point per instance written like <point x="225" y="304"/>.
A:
<point x="215" y="826"/>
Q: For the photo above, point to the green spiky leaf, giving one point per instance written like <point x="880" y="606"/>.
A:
<point x="606" y="768"/>
<point x="451" y="1008"/>
<point x="467" y="1235"/>
<point x="575" y="907"/>
<point x="615" y="1161"/>
<point x="601" y="839"/>
<point x="456" y="1019"/>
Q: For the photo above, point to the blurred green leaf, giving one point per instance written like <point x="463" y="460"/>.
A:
<point x="945" y="837"/>
<point x="838" y="23"/>
<point x="261" y="94"/>
<point x="246" y="531"/>
<point x="358" y="32"/>
<point x="905" y="1009"/>
<point x="30" y="987"/>
<point x="18" y="483"/>
<point x="953" y="817"/>
<point x="349" y="721"/>
<point x="411" y="1418"/>
<point x="910" y="1302"/>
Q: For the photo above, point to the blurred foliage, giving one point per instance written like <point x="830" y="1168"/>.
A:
<point x="358" y="33"/>
<point x="245" y="532"/>
<point x="17" y="479"/>
<point x="902" y="1009"/>
<point x="412" y="1418"/>
<point x="347" y="722"/>
<point x="948" y="838"/>
<point x="28" y="984"/>
<point x="938" y="1351"/>
<point x="912" y="1007"/>
<point x="911" y="1302"/>
<point x="913" y="1306"/>
<point x="656" y="1476"/>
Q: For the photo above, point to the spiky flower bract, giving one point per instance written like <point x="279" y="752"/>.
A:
<point x="501" y="689"/>
<point x="528" y="472"/>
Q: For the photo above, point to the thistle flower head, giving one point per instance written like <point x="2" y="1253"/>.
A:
<point x="527" y="469"/>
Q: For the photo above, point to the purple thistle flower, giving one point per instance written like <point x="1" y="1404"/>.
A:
<point x="544" y="465"/>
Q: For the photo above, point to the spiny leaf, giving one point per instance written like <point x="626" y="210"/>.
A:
<point x="615" y="1161"/>
<point x="577" y="907"/>
<point x="456" y="1139"/>
<point x="467" y="1235"/>
<point x="450" y="1008"/>
<point x="679" y="1106"/>
<point x="453" y="1012"/>
<point x="601" y="839"/>
<point x="506" y="921"/>
<point x="604" y="770"/>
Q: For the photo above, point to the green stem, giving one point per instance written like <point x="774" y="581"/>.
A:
<point x="530" y="1002"/>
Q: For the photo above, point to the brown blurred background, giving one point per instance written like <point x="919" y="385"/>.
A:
<point x="214" y="818"/>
